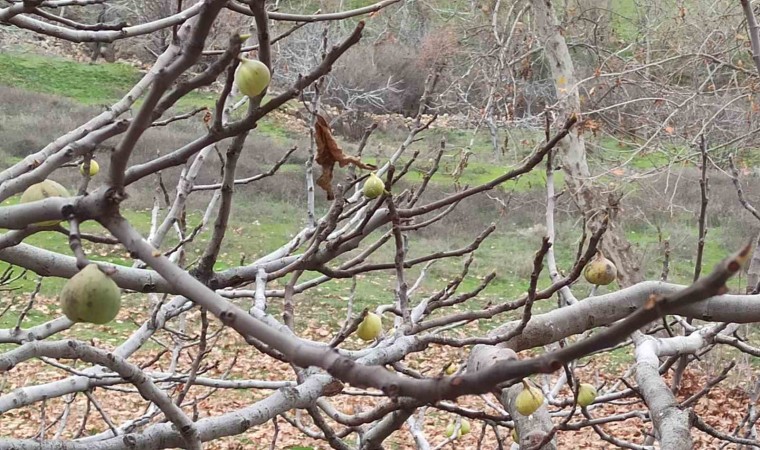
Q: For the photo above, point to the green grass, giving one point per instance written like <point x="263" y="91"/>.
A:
<point x="749" y="157"/>
<point x="196" y="100"/>
<point x="624" y="19"/>
<point x="275" y="131"/>
<point x="683" y="258"/>
<point x="89" y="84"/>
<point x="250" y="233"/>
<point x="478" y="173"/>
<point x="353" y="4"/>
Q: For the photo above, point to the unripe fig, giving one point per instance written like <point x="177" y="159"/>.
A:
<point x="252" y="77"/>
<point x="373" y="187"/>
<point x="452" y="368"/>
<point x="600" y="270"/>
<point x="529" y="400"/>
<point x="586" y="394"/>
<point x="94" y="168"/>
<point x="464" y="428"/>
<point x="370" y="327"/>
<point x="41" y="191"/>
<point x="90" y="296"/>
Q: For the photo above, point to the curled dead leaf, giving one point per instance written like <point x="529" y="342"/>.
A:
<point x="328" y="153"/>
<point x="207" y="117"/>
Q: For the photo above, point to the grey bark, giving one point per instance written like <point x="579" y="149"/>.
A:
<point x="753" y="272"/>
<point x="605" y="309"/>
<point x="670" y="422"/>
<point x="573" y="148"/>
<point x="531" y="429"/>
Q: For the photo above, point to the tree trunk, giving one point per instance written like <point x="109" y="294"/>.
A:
<point x="532" y="430"/>
<point x="671" y="423"/>
<point x="573" y="149"/>
<point x="753" y="272"/>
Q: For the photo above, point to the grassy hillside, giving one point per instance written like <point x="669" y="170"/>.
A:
<point x="88" y="84"/>
<point x="274" y="210"/>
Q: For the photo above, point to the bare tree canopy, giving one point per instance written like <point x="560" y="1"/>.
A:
<point x="609" y="114"/>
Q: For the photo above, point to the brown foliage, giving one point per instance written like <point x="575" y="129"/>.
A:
<point x="328" y="153"/>
<point x="437" y="47"/>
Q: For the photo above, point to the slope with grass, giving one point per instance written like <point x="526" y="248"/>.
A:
<point x="74" y="91"/>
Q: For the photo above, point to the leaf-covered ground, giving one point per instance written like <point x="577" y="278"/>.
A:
<point x="723" y="407"/>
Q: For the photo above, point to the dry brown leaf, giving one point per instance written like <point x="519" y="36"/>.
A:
<point x="328" y="153"/>
<point x="207" y="117"/>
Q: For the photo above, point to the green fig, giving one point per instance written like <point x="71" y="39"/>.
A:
<point x="370" y="327"/>
<point x="600" y="270"/>
<point x="464" y="428"/>
<point x="94" y="168"/>
<point x="41" y="191"/>
<point x="586" y="394"/>
<point x="90" y="296"/>
<point x="373" y="187"/>
<point x="529" y="400"/>
<point x="252" y="77"/>
<point x="452" y="368"/>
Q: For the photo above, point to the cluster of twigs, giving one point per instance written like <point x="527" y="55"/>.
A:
<point x="337" y="245"/>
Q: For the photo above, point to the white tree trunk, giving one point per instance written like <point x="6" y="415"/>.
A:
<point x="573" y="148"/>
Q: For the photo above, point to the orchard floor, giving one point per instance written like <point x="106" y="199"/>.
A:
<point x="722" y="407"/>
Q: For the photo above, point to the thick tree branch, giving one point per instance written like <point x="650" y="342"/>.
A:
<point x="127" y="370"/>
